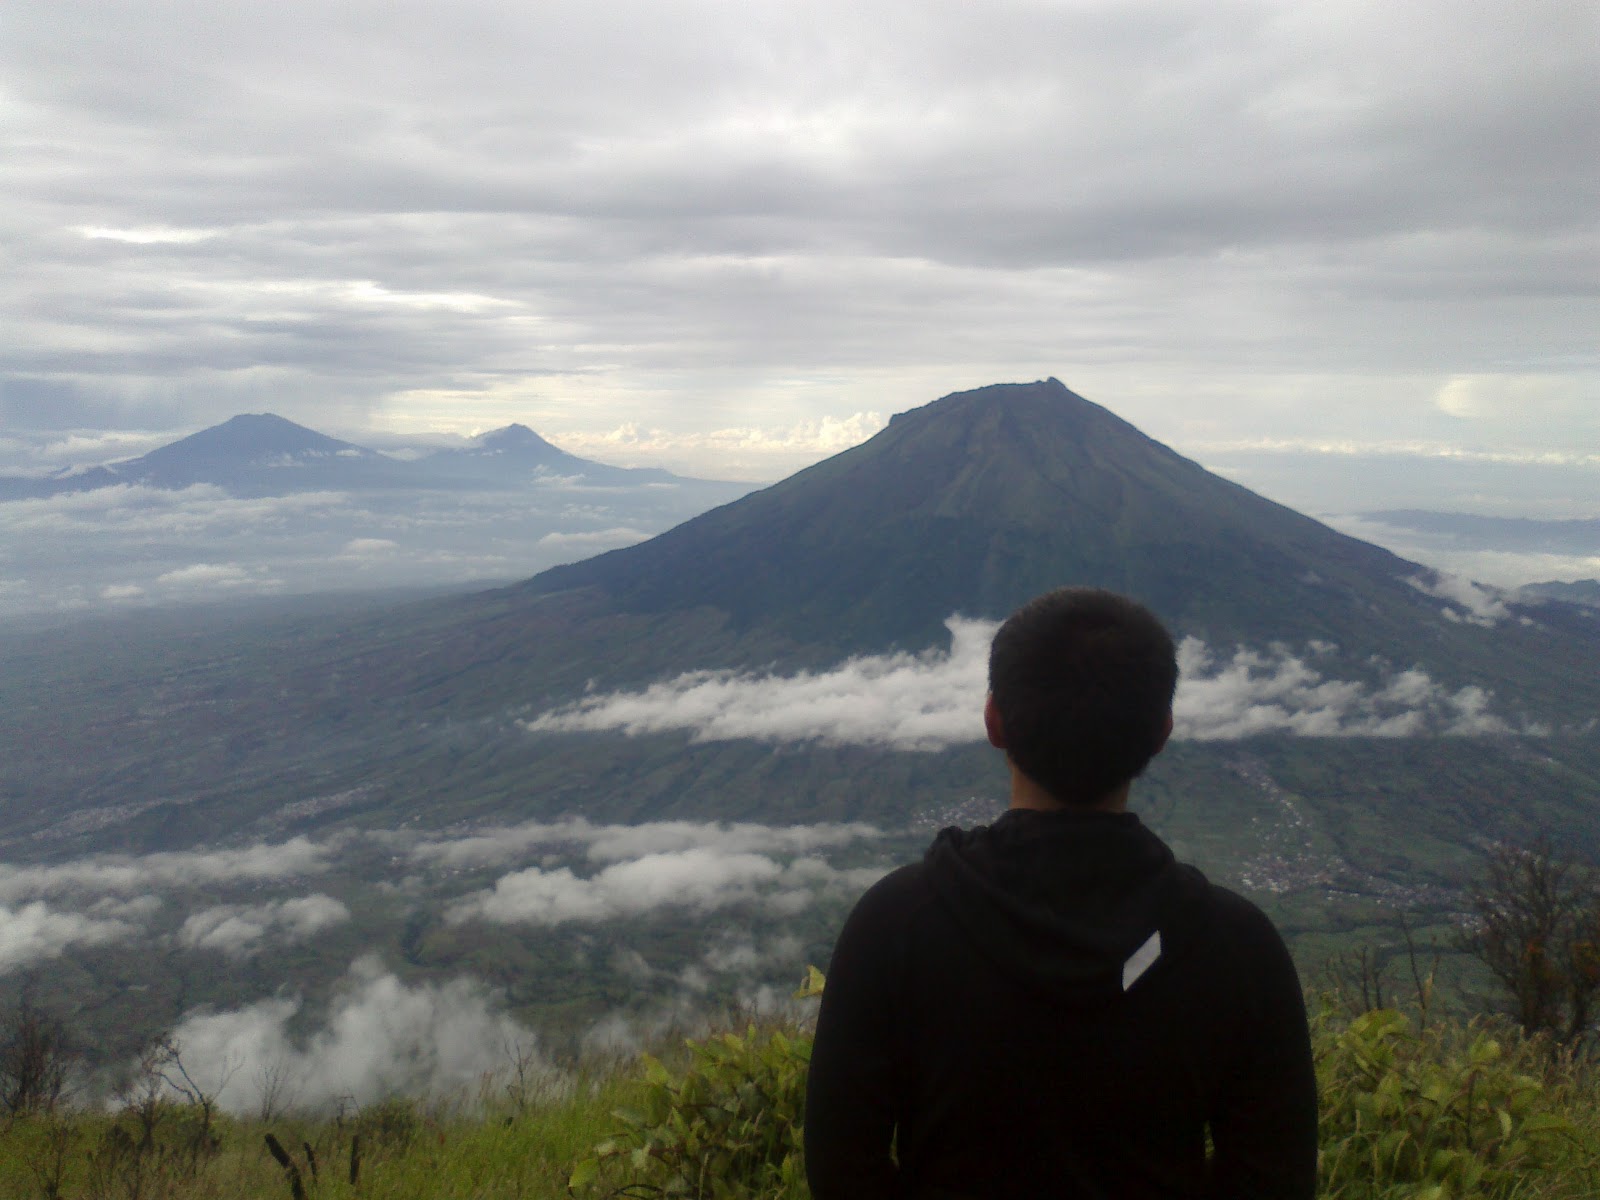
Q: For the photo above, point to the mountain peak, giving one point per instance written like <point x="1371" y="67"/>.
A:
<point x="513" y="437"/>
<point x="253" y="436"/>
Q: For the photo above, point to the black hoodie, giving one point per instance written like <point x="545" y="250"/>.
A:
<point x="1054" y="1006"/>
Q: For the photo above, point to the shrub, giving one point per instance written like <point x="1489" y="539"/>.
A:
<point x="1445" y="1113"/>
<point x="728" y="1125"/>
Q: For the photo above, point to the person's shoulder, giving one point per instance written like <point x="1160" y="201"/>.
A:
<point x="901" y="890"/>
<point x="1235" y="911"/>
<point x="887" y="910"/>
<point x="1244" y="934"/>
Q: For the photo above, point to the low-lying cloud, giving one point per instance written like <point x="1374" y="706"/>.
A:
<point x="238" y="930"/>
<point x="592" y="541"/>
<point x="905" y="701"/>
<point x="1250" y="693"/>
<point x="612" y="843"/>
<point x="126" y="874"/>
<point x="1465" y="602"/>
<point x="749" y="452"/>
<point x="934" y="700"/>
<point x="380" y="1037"/>
<point x="225" y="577"/>
<point x="36" y="931"/>
<point x="699" y="880"/>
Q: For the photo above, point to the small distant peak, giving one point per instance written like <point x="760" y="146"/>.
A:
<point x="248" y="436"/>
<point x="260" y="419"/>
<point x="511" y="436"/>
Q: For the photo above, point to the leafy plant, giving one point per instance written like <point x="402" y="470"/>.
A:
<point x="1442" y="1113"/>
<point x="728" y="1125"/>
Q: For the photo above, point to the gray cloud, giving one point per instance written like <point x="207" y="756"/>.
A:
<point x="705" y="219"/>
<point x="380" y="1037"/>
<point x="935" y="699"/>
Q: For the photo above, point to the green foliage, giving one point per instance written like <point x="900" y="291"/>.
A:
<point x="727" y="1125"/>
<point x="1448" y="1112"/>
<point x="1410" y="1111"/>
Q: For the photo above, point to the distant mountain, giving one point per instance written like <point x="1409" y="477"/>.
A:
<point x="264" y="454"/>
<point x="1578" y="591"/>
<point x="1566" y="535"/>
<point x="516" y="455"/>
<point x="250" y="454"/>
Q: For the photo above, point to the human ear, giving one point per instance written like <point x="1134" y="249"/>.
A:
<point x="1166" y="732"/>
<point x="992" y="724"/>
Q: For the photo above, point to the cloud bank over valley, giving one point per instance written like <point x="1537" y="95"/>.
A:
<point x="379" y="1037"/>
<point x="361" y="964"/>
<point x="933" y="700"/>
<point x="134" y="546"/>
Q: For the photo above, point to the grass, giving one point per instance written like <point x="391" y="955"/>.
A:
<point x="405" y="1150"/>
<point x="1437" y="1109"/>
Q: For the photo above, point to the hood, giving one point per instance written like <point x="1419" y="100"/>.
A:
<point x="1081" y="904"/>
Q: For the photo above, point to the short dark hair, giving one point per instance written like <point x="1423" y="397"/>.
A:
<point x="1083" y="680"/>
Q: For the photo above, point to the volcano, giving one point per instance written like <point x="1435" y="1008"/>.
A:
<point x="975" y="503"/>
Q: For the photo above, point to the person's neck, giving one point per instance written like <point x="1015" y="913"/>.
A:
<point x="1025" y="793"/>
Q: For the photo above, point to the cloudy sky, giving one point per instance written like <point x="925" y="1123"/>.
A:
<point x="732" y="237"/>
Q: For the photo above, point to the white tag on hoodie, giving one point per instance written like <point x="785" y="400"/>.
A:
<point x="1142" y="960"/>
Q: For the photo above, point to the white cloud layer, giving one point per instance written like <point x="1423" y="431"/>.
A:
<point x="380" y="1037"/>
<point x="238" y="930"/>
<point x="933" y="700"/>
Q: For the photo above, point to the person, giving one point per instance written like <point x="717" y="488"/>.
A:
<point x="1053" y="1006"/>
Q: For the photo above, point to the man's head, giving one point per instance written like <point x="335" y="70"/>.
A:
<point x="1081" y="684"/>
